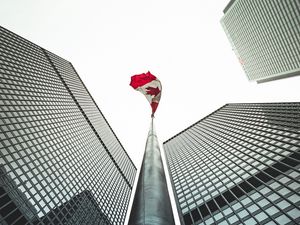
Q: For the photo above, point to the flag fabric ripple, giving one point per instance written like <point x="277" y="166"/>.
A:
<point x="150" y="86"/>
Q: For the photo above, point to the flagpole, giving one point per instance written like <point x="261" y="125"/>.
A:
<point x="151" y="204"/>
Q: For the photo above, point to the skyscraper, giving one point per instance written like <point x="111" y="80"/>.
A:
<point x="57" y="148"/>
<point x="265" y="36"/>
<point x="238" y="165"/>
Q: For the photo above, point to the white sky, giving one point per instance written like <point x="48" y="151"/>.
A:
<point x="179" y="41"/>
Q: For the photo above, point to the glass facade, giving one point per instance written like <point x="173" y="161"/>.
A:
<point x="238" y="165"/>
<point x="265" y="36"/>
<point x="61" y="163"/>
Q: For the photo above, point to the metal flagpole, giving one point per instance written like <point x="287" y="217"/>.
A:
<point x="151" y="204"/>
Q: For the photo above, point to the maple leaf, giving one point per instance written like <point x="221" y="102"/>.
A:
<point x="153" y="91"/>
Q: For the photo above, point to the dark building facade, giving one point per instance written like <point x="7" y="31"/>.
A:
<point x="238" y="165"/>
<point x="57" y="148"/>
<point x="14" y="204"/>
<point x="81" y="209"/>
<point x="265" y="36"/>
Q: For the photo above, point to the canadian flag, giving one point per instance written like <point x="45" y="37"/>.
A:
<point x="148" y="85"/>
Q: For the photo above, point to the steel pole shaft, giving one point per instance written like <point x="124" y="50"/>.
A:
<point x="151" y="205"/>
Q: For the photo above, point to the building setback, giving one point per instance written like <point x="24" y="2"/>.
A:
<point x="14" y="204"/>
<point x="265" y="36"/>
<point x="238" y="165"/>
<point x="57" y="148"/>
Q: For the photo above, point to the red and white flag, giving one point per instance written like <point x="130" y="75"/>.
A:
<point x="148" y="85"/>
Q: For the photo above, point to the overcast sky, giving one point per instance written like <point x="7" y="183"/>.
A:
<point x="179" y="41"/>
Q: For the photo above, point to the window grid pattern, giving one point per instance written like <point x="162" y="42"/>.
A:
<point x="239" y="165"/>
<point x="53" y="167"/>
<point x="115" y="148"/>
<point x="265" y="35"/>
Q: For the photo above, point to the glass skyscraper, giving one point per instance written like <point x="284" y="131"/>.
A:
<point x="61" y="163"/>
<point x="265" y="36"/>
<point x="238" y="165"/>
